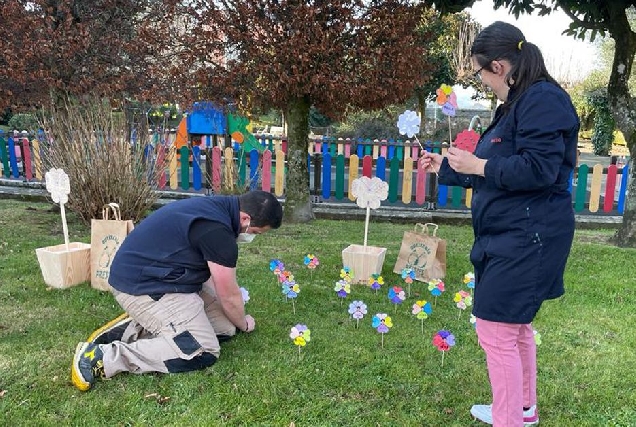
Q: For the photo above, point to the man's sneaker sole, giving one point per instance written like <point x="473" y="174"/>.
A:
<point x="76" y="376"/>
<point x="99" y="334"/>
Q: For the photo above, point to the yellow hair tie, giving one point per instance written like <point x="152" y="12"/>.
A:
<point x="519" y="45"/>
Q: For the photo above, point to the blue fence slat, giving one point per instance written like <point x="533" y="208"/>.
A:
<point x="380" y="168"/>
<point x="13" y="160"/>
<point x="326" y="176"/>
<point x="196" y="167"/>
<point x="254" y="162"/>
<point x="442" y="195"/>
<point x="623" y="192"/>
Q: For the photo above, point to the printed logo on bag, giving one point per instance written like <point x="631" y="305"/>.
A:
<point x="110" y="244"/>
<point x="418" y="257"/>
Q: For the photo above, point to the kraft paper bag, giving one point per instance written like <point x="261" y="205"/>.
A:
<point x="107" y="234"/>
<point x="423" y="252"/>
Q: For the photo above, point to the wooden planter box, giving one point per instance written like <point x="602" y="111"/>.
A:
<point x="363" y="261"/>
<point x="62" y="267"/>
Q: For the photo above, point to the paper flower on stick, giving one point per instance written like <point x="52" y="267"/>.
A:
<point x="346" y="274"/>
<point x="422" y="309"/>
<point x="245" y="295"/>
<point x="382" y="323"/>
<point x="276" y="266"/>
<point x="462" y="299"/>
<point x="447" y="99"/>
<point x="357" y="310"/>
<point x="469" y="280"/>
<point x="443" y="340"/>
<point x="409" y="123"/>
<point x="436" y="287"/>
<point x="311" y="261"/>
<point x="375" y="282"/>
<point x="467" y="140"/>
<point x="291" y="290"/>
<point x="58" y="184"/>
<point x="396" y="295"/>
<point x="369" y="192"/>
<point x="300" y="335"/>
<point x="408" y="275"/>
<point x="342" y="288"/>
<point x="285" y="276"/>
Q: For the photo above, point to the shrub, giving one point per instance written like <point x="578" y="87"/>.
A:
<point x="93" y="146"/>
<point x="604" y="124"/>
<point x="23" y="121"/>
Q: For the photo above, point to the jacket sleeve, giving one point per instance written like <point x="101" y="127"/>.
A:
<point x="541" y="121"/>
<point x="448" y="176"/>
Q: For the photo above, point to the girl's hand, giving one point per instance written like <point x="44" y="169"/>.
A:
<point x="465" y="162"/>
<point x="431" y="162"/>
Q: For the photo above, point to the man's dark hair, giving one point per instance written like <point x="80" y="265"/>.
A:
<point x="263" y="208"/>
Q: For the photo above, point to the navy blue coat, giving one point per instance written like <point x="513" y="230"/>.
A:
<point x="522" y="211"/>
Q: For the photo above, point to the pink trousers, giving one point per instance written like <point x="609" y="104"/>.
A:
<point x="511" y="356"/>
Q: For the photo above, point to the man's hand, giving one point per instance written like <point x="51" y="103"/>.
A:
<point x="250" y="323"/>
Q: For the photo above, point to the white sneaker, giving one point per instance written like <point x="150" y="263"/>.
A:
<point x="484" y="414"/>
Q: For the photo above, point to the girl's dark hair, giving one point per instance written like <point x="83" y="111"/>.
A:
<point x="501" y="40"/>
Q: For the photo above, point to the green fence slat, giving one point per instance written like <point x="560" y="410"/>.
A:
<point x="184" y="158"/>
<point x="399" y="152"/>
<point x="4" y="155"/>
<point x="456" y="198"/>
<point x="581" y="188"/>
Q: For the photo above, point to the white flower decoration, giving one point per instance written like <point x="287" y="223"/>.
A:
<point x="409" y="123"/>
<point x="245" y="295"/>
<point x="369" y="192"/>
<point x="58" y="184"/>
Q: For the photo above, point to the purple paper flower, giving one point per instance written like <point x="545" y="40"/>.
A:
<point x="357" y="309"/>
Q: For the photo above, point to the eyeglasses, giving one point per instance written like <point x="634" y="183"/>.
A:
<point x="477" y="74"/>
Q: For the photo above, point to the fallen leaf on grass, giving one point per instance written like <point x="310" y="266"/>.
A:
<point x="2" y="393"/>
<point x="159" y="398"/>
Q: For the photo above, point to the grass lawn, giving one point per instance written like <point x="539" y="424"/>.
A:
<point x="343" y="376"/>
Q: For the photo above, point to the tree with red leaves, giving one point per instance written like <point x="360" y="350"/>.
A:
<point x="54" y="48"/>
<point x="291" y="55"/>
<point x="257" y="54"/>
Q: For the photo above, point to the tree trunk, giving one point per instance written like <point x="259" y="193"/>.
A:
<point x="622" y="107"/>
<point x="297" y="197"/>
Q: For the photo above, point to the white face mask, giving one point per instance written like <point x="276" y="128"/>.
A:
<point x="245" y="237"/>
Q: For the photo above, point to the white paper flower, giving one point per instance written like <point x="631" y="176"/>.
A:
<point x="409" y="123"/>
<point x="245" y="294"/>
<point x="369" y="192"/>
<point x="58" y="184"/>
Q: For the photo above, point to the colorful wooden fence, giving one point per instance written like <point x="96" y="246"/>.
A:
<point x="332" y="167"/>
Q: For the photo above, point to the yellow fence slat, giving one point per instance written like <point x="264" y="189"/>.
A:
<point x="354" y="160"/>
<point x="279" y="178"/>
<point x="595" y="190"/>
